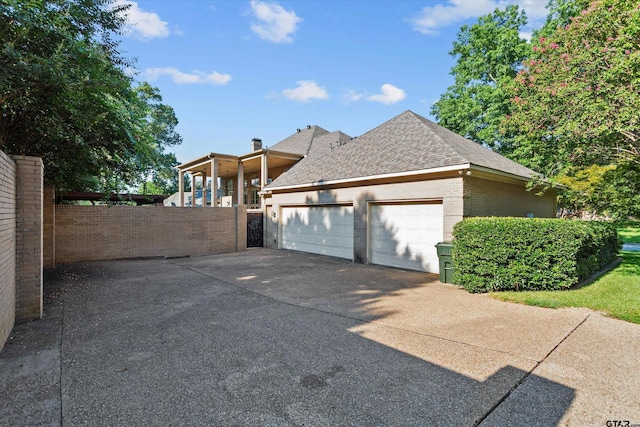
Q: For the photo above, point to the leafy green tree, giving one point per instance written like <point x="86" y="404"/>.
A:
<point x="560" y="14"/>
<point x="621" y="196"/>
<point x="582" y="189"/>
<point x="611" y="190"/>
<point x="65" y="95"/>
<point x="155" y="132"/>
<point x="149" y="187"/>
<point x="576" y="103"/>
<point x="489" y="55"/>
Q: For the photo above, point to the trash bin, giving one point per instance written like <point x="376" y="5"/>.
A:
<point x="446" y="261"/>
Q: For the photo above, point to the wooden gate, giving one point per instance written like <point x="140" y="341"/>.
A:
<point x="254" y="229"/>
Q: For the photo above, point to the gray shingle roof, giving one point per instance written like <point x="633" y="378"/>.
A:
<point x="322" y="145"/>
<point x="299" y="142"/>
<point x="406" y="143"/>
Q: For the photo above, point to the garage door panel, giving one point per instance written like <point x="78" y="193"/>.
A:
<point x="405" y="235"/>
<point x="325" y="230"/>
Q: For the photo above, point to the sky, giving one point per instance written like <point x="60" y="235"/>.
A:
<point x="234" y="70"/>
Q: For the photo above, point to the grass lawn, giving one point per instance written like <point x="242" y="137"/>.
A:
<point x="617" y="293"/>
<point x="629" y="232"/>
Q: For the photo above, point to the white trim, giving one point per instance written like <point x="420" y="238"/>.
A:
<point x="204" y="159"/>
<point x="374" y="177"/>
<point x="418" y="201"/>
<point x="500" y="173"/>
<point x="252" y="156"/>
<point x="316" y="205"/>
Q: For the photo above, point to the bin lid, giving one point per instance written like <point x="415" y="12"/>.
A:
<point x="444" y="248"/>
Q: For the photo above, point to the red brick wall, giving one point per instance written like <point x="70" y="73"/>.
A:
<point x="85" y="233"/>
<point x="7" y="246"/>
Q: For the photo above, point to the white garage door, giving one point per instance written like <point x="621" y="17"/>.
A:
<point x="325" y="230"/>
<point x="405" y="235"/>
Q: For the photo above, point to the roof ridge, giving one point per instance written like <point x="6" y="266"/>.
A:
<point x="405" y="143"/>
<point x="427" y="124"/>
<point x="436" y="128"/>
<point x="300" y="141"/>
<point x="385" y="122"/>
<point x="313" y="137"/>
<point x="477" y="146"/>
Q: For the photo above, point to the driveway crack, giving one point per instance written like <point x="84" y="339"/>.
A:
<point x="524" y="378"/>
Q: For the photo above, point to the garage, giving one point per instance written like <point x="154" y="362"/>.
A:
<point x="404" y="235"/>
<point x="324" y="230"/>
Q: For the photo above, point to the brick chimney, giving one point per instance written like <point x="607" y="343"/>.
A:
<point x="256" y="144"/>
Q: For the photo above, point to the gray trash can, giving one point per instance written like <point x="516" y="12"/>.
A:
<point x="446" y="261"/>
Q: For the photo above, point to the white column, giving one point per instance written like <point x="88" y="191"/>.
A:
<point x="264" y="175"/>
<point x="204" y="189"/>
<point x="240" y="186"/>
<point x="181" y="187"/>
<point x="193" y="190"/>
<point x="214" y="182"/>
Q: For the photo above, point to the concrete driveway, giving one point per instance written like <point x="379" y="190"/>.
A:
<point x="276" y="338"/>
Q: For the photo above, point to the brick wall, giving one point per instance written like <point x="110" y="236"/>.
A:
<point x="7" y="246"/>
<point x="29" y="216"/>
<point x="99" y="233"/>
<point x="492" y="198"/>
<point x="48" y="227"/>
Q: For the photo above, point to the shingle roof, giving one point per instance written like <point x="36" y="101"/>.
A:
<point x="323" y="144"/>
<point x="406" y="143"/>
<point x="299" y="142"/>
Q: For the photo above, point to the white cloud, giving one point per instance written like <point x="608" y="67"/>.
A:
<point x="141" y="24"/>
<point x="275" y="23"/>
<point x="306" y="90"/>
<point x="196" y="77"/>
<point x="536" y="9"/>
<point x="390" y="94"/>
<point x="351" y="95"/>
<point x="450" y="12"/>
<point x="442" y="15"/>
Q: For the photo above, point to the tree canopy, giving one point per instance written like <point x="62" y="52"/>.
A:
<point x="559" y="14"/>
<point x="488" y="54"/>
<point x="576" y="107"/>
<point x="577" y="101"/>
<point x="569" y="109"/>
<point x="66" y="96"/>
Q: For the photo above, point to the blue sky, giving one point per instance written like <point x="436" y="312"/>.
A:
<point x="234" y="70"/>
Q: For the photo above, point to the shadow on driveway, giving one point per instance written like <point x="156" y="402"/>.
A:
<point x="260" y="338"/>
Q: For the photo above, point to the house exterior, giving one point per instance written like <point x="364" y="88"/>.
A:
<point x="248" y="174"/>
<point x="386" y="197"/>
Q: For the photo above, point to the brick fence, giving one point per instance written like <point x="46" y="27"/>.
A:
<point x="7" y="246"/>
<point x="83" y="233"/>
<point x="36" y="234"/>
<point x="29" y="190"/>
<point x="20" y="241"/>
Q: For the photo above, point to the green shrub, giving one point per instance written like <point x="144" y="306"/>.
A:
<point x="497" y="254"/>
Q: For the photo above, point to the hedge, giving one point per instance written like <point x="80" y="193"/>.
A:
<point x="499" y="254"/>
